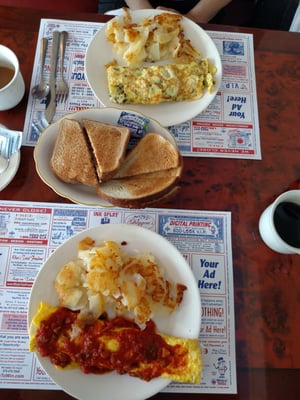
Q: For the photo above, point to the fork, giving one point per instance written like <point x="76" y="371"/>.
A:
<point x="62" y="89"/>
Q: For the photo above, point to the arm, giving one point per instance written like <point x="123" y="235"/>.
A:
<point x="138" y="4"/>
<point x="205" y="10"/>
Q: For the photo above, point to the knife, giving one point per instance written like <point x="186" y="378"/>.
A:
<point x="51" y="98"/>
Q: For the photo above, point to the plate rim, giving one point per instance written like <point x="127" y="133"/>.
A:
<point x="188" y="23"/>
<point x="156" y="384"/>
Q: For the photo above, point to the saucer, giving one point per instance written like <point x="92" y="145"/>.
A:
<point x="8" y="175"/>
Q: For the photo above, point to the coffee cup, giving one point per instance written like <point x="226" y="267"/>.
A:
<point x="12" y="87"/>
<point x="279" y="224"/>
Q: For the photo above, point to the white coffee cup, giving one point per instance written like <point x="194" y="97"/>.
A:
<point x="12" y="87"/>
<point x="267" y="226"/>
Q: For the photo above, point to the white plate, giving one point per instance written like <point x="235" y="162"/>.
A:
<point x="100" y="52"/>
<point x="184" y="322"/>
<point x="8" y="175"/>
<point x="81" y="194"/>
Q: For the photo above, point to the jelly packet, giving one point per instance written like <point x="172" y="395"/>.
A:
<point x="10" y="142"/>
<point x="137" y="124"/>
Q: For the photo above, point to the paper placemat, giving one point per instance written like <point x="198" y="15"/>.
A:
<point x="30" y="232"/>
<point x="228" y="128"/>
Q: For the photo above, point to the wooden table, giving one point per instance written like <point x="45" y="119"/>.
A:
<point x="267" y="284"/>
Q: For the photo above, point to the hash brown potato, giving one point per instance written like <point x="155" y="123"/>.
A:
<point x="105" y="279"/>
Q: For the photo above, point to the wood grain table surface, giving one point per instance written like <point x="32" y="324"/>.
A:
<point x="266" y="284"/>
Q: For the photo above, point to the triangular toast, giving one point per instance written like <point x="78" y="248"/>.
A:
<point x="71" y="160"/>
<point x="152" y="153"/>
<point x="109" y="145"/>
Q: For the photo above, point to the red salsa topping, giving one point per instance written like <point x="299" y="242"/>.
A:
<point x="106" y="345"/>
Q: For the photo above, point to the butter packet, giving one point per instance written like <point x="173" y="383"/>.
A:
<point x="137" y="124"/>
<point x="10" y="142"/>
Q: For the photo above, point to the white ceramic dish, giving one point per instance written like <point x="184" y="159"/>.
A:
<point x="100" y="52"/>
<point x="81" y="194"/>
<point x="184" y="322"/>
<point x="8" y="175"/>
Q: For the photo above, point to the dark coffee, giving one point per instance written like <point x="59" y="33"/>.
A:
<point x="6" y="75"/>
<point x="287" y="222"/>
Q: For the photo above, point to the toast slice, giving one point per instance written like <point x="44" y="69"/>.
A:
<point x="71" y="160"/>
<point x="141" y="190"/>
<point x="152" y="153"/>
<point x="157" y="201"/>
<point x="109" y="144"/>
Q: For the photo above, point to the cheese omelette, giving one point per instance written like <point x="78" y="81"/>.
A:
<point x="160" y="83"/>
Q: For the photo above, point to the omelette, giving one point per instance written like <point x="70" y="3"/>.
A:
<point x="116" y="344"/>
<point x="155" y="84"/>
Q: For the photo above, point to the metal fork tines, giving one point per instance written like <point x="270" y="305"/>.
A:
<point x="62" y="89"/>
